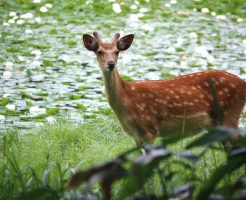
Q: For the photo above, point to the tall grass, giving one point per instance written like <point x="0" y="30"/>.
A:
<point x="46" y="157"/>
<point x="39" y="163"/>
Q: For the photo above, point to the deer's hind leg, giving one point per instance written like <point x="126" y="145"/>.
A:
<point x="233" y="113"/>
<point x="231" y="119"/>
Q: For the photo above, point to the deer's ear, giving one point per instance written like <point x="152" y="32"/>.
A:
<point x="90" y="42"/>
<point x="125" y="42"/>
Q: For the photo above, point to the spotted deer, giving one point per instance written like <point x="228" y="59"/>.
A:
<point x="185" y="104"/>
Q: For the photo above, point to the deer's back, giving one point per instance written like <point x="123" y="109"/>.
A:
<point x="168" y="104"/>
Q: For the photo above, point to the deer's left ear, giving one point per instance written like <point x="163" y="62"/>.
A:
<point x="125" y="42"/>
<point x="90" y="42"/>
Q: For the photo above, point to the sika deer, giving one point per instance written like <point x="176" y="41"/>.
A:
<point x="146" y="109"/>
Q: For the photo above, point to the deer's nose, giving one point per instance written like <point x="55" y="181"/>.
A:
<point x="111" y="65"/>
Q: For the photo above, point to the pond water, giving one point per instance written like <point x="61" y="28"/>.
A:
<point x="46" y="74"/>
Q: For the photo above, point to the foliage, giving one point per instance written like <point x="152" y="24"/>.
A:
<point x="39" y="163"/>
<point x="139" y="173"/>
<point x="163" y="171"/>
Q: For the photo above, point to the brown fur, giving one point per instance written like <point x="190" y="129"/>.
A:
<point x="146" y="109"/>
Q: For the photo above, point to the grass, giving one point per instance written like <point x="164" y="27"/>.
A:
<point x="64" y="147"/>
<point x="46" y="157"/>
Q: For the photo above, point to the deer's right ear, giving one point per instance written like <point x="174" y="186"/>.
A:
<point x="90" y="42"/>
<point x="125" y="42"/>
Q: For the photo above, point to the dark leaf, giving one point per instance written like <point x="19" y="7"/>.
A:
<point x="237" y="152"/>
<point x="242" y="195"/>
<point x="232" y="164"/>
<point x="188" y="155"/>
<point x="240" y="184"/>
<point x="216" y="197"/>
<point x="184" y="191"/>
<point x="40" y="193"/>
<point x="143" y="167"/>
<point x="241" y="142"/>
<point x="109" y="170"/>
<point x="216" y="134"/>
<point x="152" y="156"/>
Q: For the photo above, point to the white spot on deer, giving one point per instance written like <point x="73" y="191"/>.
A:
<point x="216" y="83"/>
<point x="201" y="96"/>
<point x="177" y="104"/>
<point x="133" y="88"/>
<point x="154" y="111"/>
<point x="193" y="88"/>
<point x="163" y="102"/>
<point x="142" y="117"/>
<point x="191" y="104"/>
<point x="198" y="114"/>
<point x="167" y="97"/>
<point x="206" y="84"/>
<point x="196" y="100"/>
<point x="143" y="105"/>
<point x="150" y="95"/>
<point x="140" y="107"/>
<point x="226" y="90"/>
<point x="147" y="117"/>
<point x="222" y="103"/>
<point x="222" y="79"/>
<point x="198" y="87"/>
<point x="220" y="92"/>
<point x="177" y="96"/>
<point x="233" y="85"/>
<point x="189" y="93"/>
<point x="143" y="95"/>
<point x="172" y="92"/>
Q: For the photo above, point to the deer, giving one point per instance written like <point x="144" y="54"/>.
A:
<point x="185" y="104"/>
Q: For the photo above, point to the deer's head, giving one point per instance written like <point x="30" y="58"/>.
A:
<point x="107" y="53"/>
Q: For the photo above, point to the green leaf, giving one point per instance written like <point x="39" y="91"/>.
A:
<point x="29" y="103"/>
<point x="81" y="107"/>
<point x="74" y="97"/>
<point x="236" y="161"/>
<point x="52" y="111"/>
<point x="5" y="101"/>
<point x="25" y="95"/>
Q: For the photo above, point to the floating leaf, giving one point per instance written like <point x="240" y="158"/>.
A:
<point x="5" y="101"/>
<point x="52" y="111"/>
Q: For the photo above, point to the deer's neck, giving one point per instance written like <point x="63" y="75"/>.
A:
<point x="114" y="87"/>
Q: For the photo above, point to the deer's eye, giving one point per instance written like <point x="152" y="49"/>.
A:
<point x="99" y="53"/>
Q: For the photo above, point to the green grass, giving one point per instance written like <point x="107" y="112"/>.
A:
<point x="46" y="157"/>
<point x="63" y="147"/>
